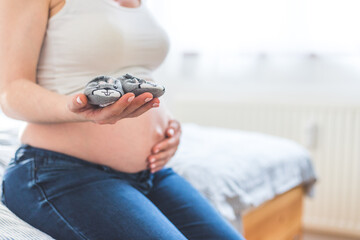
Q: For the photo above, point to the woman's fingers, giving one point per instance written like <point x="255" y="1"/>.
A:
<point x="116" y="109"/>
<point x="162" y="155"/>
<point x="172" y="133"/>
<point x="167" y="143"/>
<point x="77" y="103"/>
<point x="152" y="104"/>
<point x="166" y="149"/>
<point x="127" y="106"/>
<point x="158" y="156"/>
<point x="153" y="170"/>
<point x="112" y="113"/>
<point x="154" y="167"/>
<point x="173" y="127"/>
<point x="138" y="102"/>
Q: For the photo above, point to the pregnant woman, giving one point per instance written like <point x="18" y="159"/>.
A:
<point x="84" y="172"/>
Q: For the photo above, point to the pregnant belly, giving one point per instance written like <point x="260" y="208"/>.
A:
<point x="123" y="146"/>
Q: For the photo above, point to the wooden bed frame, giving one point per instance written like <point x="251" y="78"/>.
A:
<point x="277" y="219"/>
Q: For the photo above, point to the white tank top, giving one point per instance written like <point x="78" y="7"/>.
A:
<point x="88" y="38"/>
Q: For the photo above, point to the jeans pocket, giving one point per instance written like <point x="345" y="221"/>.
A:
<point x="53" y="168"/>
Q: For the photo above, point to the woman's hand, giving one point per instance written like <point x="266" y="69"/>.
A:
<point x="164" y="150"/>
<point x="128" y="106"/>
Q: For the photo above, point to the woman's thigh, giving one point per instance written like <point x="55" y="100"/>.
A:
<point x="68" y="200"/>
<point x="187" y="209"/>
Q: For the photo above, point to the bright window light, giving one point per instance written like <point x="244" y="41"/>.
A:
<point x="281" y="26"/>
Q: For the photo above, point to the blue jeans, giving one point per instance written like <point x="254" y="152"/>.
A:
<point x="69" y="198"/>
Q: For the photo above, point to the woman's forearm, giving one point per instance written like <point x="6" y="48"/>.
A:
<point x="24" y="100"/>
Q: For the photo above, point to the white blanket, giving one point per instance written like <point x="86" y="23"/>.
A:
<point x="238" y="170"/>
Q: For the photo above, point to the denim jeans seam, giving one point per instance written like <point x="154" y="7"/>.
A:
<point x="53" y="196"/>
<point x="57" y="212"/>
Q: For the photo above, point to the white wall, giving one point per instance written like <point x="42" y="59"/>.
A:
<point x="278" y="51"/>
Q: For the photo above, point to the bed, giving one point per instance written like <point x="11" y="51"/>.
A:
<point x="254" y="180"/>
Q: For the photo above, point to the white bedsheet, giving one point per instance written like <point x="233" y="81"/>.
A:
<point x="238" y="170"/>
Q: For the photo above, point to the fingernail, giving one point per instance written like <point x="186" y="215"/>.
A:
<point x="131" y="98"/>
<point x="155" y="105"/>
<point x="152" y="160"/>
<point x="156" y="150"/>
<point x="152" y="165"/>
<point x="171" y="131"/>
<point x="148" y="99"/>
<point x="79" y="100"/>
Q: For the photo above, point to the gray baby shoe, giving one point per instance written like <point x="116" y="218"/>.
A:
<point x="139" y="86"/>
<point x="105" y="90"/>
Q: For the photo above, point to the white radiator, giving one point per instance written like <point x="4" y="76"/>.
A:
<point x="331" y="133"/>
